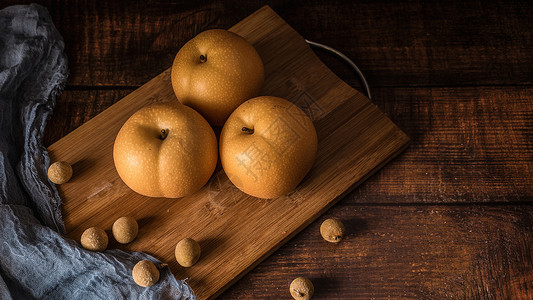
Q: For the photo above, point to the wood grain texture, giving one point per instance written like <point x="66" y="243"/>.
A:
<point x="405" y="252"/>
<point x="75" y="107"/>
<point x="409" y="44"/>
<point x="236" y="231"/>
<point x="468" y="144"/>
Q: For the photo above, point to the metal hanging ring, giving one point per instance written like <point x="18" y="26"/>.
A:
<point x="347" y="60"/>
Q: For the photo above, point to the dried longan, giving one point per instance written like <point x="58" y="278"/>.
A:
<point x="145" y="273"/>
<point x="125" y="229"/>
<point x="94" y="239"/>
<point x="60" y="172"/>
<point x="187" y="252"/>
<point x="302" y="288"/>
<point x="332" y="230"/>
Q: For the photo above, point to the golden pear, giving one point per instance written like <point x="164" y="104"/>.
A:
<point x="267" y="146"/>
<point x="215" y="72"/>
<point x="165" y="150"/>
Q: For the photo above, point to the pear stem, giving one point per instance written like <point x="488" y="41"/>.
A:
<point x="248" y="130"/>
<point x="203" y="59"/>
<point x="164" y="134"/>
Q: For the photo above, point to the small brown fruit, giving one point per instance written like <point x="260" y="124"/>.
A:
<point x="302" y="289"/>
<point x="94" y="239"/>
<point x="332" y="230"/>
<point x="187" y="252"/>
<point x="145" y="273"/>
<point x="60" y="172"/>
<point x="125" y="230"/>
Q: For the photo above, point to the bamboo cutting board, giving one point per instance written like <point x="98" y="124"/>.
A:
<point x="235" y="231"/>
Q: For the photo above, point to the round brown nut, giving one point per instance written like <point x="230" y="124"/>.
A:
<point x="187" y="252"/>
<point x="332" y="230"/>
<point x="125" y="229"/>
<point x="145" y="273"/>
<point x="302" y="289"/>
<point x="60" y="172"/>
<point x="94" y="239"/>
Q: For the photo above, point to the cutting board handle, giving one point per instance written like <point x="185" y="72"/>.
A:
<point x="345" y="59"/>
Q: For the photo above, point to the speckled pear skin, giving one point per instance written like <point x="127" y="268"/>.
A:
<point x="176" y="166"/>
<point x="273" y="160"/>
<point x="230" y="73"/>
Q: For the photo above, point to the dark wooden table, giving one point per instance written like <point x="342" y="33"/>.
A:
<point x="451" y="217"/>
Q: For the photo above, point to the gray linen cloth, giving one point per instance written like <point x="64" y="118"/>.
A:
<point x="36" y="260"/>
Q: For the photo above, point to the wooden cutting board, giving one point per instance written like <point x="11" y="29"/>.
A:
<point x="235" y="231"/>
